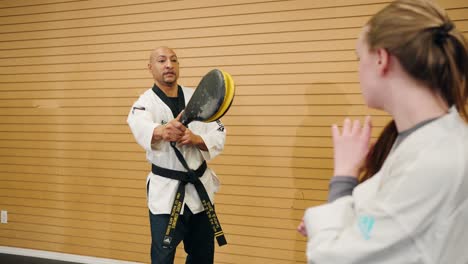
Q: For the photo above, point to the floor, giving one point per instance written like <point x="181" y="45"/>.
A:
<point x="16" y="259"/>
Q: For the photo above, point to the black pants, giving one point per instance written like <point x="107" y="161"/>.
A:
<point x="193" y="229"/>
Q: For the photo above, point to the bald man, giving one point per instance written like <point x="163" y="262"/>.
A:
<point x="154" y="122"/>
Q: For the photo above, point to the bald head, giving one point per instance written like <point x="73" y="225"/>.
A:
<point x="163" y="50"/>
<point x="164" y="66"/>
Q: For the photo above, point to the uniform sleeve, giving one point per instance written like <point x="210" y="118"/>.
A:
<point x="387" y="228"/>
<point x="214" y="136"/>
<point x="141" y="124"/>
<point x="341" y="186"/>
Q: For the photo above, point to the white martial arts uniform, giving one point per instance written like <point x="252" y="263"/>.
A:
<point x="148" y="112"/>
<point x="414" y="210"/>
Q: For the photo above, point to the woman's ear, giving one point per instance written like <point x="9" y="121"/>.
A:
<point x="383" y="61"/>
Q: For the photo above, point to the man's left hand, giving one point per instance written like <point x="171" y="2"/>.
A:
<point x="189" y="138"/>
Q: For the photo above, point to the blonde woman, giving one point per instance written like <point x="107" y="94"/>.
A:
<point x="413" y="64"/>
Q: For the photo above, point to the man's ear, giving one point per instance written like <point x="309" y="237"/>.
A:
<point x="383" y="60"/>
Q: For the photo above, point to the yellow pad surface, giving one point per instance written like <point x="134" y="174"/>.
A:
<point x="228" y="97"/>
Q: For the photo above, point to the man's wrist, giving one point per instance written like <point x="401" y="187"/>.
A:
<point x="157" y="133"/>
<point x="200" y="143"/>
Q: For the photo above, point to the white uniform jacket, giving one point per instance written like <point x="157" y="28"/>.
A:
<point x="148" y="112"/>
<point x="414" y="210"/>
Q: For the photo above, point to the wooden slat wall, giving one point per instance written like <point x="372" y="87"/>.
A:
<point x="71" y="176"/>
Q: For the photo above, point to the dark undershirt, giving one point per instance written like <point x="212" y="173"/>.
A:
<point x="176" y="104"/>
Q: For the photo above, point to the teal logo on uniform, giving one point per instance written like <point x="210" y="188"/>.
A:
<point x="366" y="223"/>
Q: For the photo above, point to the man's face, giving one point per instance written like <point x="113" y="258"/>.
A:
<point x="164" y="66"/>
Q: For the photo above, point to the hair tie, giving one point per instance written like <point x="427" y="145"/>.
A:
<point x="442" y="33"/>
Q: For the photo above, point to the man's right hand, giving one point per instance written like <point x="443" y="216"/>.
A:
<point x="172" y="131"/>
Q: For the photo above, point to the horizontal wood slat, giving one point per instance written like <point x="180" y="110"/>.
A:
<point x="332" y="67"/>
<point x="300" y="131"/>
<point x="220" y="169"/>
<point x="269" y="227"/>
<point x="201" y="39"/>
<point x="291" y="120"/>
<point x="243" y="107"/>
<point x="182" y="10"/>
<point x="339" y="50"/>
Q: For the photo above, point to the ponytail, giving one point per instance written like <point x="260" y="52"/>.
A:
<point x="456" y="75"/>
<point x="379" y="151"/>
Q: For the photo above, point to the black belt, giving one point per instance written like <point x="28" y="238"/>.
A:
<point x="183" y="176"/>
<point x="190" y="176"/>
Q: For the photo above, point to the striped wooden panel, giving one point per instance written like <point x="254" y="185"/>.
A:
<point x="71" y="175"/>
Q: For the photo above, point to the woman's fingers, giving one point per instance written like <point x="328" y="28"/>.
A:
<point x="356" y="130"/>
<point x="335" y="131"/>
<point x="347" y="126"/>
<point x="350" y="146"/>
<point x="367" y="128"/>
<point x="302" y="229"/>
<point x="350" y="128"/>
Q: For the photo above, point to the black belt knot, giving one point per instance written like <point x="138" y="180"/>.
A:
<point x="191" y="176"/>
